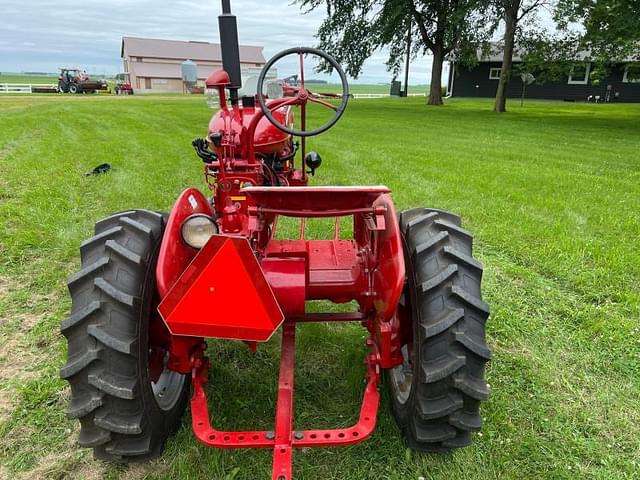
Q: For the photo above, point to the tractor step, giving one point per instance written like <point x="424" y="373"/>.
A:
<point x="283" y="439"/>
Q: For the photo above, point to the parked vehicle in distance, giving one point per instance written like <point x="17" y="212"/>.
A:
<point x="123" y="88"/>
<point x="74" y="80"/>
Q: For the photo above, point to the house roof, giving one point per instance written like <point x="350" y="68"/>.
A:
<point x="496" y="51"/>
<point x="495" y="54"/>
<point x="203" y="51"/>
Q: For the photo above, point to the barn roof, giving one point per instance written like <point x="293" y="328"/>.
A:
<point x="177" y="49"/>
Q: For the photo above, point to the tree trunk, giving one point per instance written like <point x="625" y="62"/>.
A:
<point x="435" y="89"/>
<point x="511" y="22"/>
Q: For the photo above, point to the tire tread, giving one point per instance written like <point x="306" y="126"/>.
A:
<point x="443" y="407"/>
<point x="103" y="367"/>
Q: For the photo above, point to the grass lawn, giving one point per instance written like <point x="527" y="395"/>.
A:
<point x="551" y="191"/>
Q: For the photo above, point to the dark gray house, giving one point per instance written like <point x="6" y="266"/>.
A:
<point x="482" y="81"/>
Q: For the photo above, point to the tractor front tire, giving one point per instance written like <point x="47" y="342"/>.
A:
<point x="123" y="415"/>
<point x="73" y="88"/>
<point x="436" y="393"/>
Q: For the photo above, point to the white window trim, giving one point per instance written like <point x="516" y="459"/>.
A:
<point x="492" y="76"/>
<point x="626" y="79"/>
<point x="583" y="81"/>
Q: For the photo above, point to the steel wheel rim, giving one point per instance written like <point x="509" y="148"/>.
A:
<point x="168" y="389"/>
<point x="402" y="378"/>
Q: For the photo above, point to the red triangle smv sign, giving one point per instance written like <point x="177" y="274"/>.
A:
<point x="223" y="293"/>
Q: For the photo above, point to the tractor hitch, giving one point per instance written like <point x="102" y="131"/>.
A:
<point x="284" y="438"/>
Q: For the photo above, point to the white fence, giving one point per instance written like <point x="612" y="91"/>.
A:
<point x="25" y="87"/>
<point x="383" y="95"/>
<point x="370" y="95"/>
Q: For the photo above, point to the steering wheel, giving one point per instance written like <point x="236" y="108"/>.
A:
<point x="303" y="95"/>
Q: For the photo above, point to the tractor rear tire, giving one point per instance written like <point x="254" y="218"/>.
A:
<point x="123" y="416"/>
<point x="436" y="393"/>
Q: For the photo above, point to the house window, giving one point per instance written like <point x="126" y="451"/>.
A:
<point x="494" y="73"/>
<point x="631" y="77"/>
<point x="579" y="74"/>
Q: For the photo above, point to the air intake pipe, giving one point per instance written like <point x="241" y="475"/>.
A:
<point x="230" y="48"/>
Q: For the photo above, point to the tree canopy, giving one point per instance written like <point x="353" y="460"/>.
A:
<point x="354" y="30"/>
<point x="610" y="28"/>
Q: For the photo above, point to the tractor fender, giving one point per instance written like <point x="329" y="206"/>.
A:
<point x="388" y="283"/>
<point x="388" y="277"/>
<point x="175" y="255"/>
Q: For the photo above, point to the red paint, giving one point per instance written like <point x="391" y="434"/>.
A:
<point x="259" y="128"/>
<point x="218" y="78"/>
<point x="283" y="439"/>
<point x="175" y="255"/>
<point x="302" y="200"/>
<point x="282" y="449"/>
<point x="266" y="137"/>
<point x="287" y="278"/>
<point x="388" y="278"/>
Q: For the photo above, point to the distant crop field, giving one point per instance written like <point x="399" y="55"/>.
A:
<point x="361" y="88"/>
<point x="21" y="78"/>
<point x="551" y="192"/>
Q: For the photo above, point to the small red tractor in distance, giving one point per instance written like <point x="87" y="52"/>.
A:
<point x="123" y="88"/>
<point x="153" y="287"/>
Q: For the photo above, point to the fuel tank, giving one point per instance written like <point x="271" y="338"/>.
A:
<point x="267" y="138"/>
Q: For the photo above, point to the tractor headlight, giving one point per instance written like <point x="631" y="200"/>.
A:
<point x="198" y="229"/>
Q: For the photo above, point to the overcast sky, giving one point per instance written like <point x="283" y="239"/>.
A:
<point x="39" y="35"/>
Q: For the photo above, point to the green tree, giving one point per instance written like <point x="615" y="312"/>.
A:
<point x="354" y="30"/>
<point x="610" y="31"/>
<point x="611" y="28"/>
<point x="547" y="56"/>
<point x="513" y="13"/>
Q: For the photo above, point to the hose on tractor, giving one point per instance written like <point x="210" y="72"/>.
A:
<point x="202" y="149"/>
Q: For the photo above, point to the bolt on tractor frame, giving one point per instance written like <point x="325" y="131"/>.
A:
<point x="153" y="287"/>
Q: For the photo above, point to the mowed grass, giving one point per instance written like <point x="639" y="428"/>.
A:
<point x="551" y="191"/>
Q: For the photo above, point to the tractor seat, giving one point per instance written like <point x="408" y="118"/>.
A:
<point x="315" y="199"/>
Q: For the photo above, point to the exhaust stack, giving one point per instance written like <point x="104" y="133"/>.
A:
<point x="230" y="48"/>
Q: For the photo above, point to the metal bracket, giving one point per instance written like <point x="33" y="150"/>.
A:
<point x="284" y="439"/>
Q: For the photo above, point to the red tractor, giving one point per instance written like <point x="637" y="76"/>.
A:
<point x="153" y="287"/>
<point x="74" y="80"/>
<point x="123" y="88"/>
